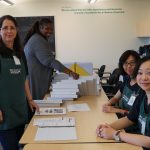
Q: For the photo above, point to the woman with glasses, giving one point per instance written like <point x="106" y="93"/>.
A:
<point x="139" y="114"/>
<point x="14" y="86"/>
<point x="128" y="91"/>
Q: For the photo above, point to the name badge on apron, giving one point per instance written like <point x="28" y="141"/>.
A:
<point x="143" y="123"/>
<point x="16" y="60"/>
<point x="131" y="100"/>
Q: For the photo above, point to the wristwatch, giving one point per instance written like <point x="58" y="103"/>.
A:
<point x="116" y="136"/>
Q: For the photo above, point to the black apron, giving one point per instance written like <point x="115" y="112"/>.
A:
<point x="144" y="121"/>
<point x="126" y="103"/>
<point x="13" y="103"/>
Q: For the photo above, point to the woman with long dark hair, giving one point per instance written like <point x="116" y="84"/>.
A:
<point x="14" y="87"/>
<point x="40" y="58"/>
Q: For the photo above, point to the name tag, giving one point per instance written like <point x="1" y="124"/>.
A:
<point x="143" y="123"/>
<point x="131" y="100"/>
<point x="16" y="60"/>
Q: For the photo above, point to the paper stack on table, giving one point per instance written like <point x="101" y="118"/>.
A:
<point x="49" y="102"/>
<point x="71" y="89"/>
<point x="78" y="107"/>
<point x="60" y="128"/>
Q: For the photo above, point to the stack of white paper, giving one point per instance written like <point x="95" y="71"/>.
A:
<point x="61" y="128"/>
<point x="71" y="89"/>
<point x="49" y="102"/>
<point x="65" y="89"/>
<point x="78" y="107"/>
<point x="56" y="133"/>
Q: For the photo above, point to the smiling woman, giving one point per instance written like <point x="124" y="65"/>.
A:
<point x="8" y="33"/>
<point x="128" y="91"/>
<point x="40" y="58"/>
<point x="143" y="75"/>
<point x="14" y="87"/>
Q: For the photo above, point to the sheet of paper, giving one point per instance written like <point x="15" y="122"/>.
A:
<point x="56" y="133"/>
<point x="78" y="107"/>
<point x="55" y="122"/>
<point x="50" y="111"/>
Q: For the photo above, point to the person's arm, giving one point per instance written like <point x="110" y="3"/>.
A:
<point x="117" y="125"/>
<point x="136" y="139"/>
<point x="32" y="104"/>
<point x="71" y="73"/>
<point x="112" y="109"/>
<point x="121" y="123"/>
<point x="108" y="132"/>
<point x="108" y="108"/>
<point x="116" y="98"/>
<point x="44" y="55"/>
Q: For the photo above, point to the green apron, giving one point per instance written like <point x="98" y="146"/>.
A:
<point x="13" y="103"/>
<point x="126" y="95"/>
<point x="144" y="121"/>
<point x="124" y="104"/>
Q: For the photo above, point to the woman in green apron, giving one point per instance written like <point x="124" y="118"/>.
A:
<point x="14" y="86"/>
<point x="127" y="93"/>
<point x="139" y="114"/>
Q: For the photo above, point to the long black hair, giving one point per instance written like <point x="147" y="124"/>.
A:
<point x="36" y="28"/>
<point x="17" y="48"/>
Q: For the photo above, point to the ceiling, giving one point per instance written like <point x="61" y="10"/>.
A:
<point x="30" y="1"/>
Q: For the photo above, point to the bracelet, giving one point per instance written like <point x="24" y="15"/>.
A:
<point x="117" y="136"/>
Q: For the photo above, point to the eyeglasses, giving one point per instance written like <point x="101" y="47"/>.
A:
<point x="12" y="28"/>
<point x="132" y="63"/>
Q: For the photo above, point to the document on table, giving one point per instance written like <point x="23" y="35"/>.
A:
<point x="51" y="111"/>
<point x="56" y="133"/>
<point x="55" y="122"/>
<point x="78" y="107"/>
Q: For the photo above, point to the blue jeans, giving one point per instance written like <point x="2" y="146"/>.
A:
<point x="10" y="138"/>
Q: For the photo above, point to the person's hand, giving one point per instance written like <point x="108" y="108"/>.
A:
<point x="99" y="127"/>
<point x="1" y="116"/>
<point x="74" y="75"/>
<point x="108" y="109"/>
<point x="106" y="104"/>
<point x="107" y="132"/>
<point x="33" y="106"/>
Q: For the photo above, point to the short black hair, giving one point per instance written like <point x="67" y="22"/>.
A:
<point x="124" y="57"/>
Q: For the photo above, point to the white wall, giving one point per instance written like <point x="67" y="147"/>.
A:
<point x="98" y="38"/>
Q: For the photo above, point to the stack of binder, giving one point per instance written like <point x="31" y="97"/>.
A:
<point x="67" y="88"/>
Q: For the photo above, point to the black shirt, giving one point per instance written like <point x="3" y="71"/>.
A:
<point x="135" y="88"/>
<point x="134" y="113"/>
